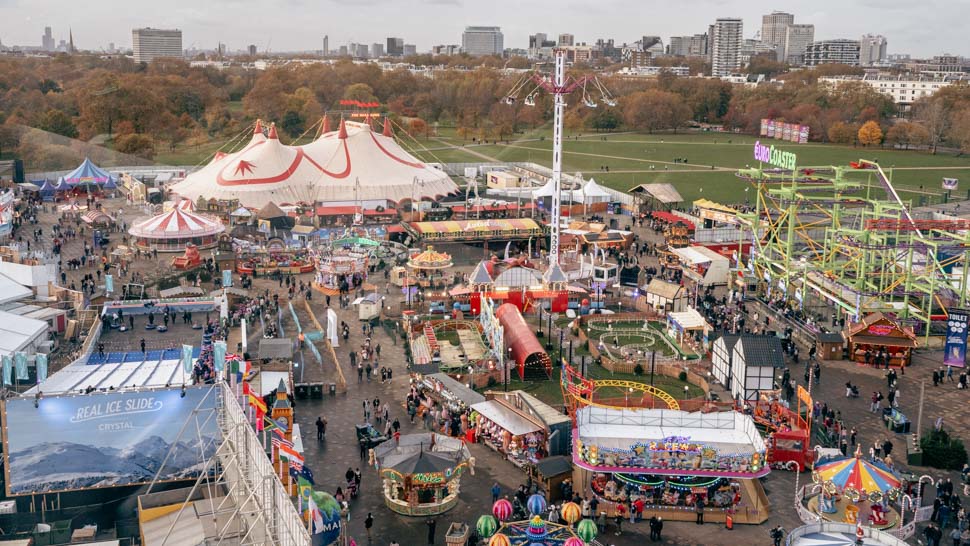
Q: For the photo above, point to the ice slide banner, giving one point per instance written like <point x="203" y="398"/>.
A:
<point x="792" y="132"/>
<point x="106" y="440"/>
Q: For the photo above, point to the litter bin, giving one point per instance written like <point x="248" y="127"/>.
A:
<point x="333" y="389"/>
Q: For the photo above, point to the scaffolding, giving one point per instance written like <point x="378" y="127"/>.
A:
<point x="843" y="234"/>
<point x="250" y="505"/>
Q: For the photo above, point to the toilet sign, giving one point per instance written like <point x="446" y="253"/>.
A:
<point x="955" y="351"/>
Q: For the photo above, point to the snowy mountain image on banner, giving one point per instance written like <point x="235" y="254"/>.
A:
<point x="103" y="440"/>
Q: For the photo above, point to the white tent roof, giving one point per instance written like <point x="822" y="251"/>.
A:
<point x="176" y="224"/>
<point x="590" y="192"/>
<point x="18" y="332"/>
<point x="691" y="256"/>
<point x="689" y="319"/>
<point x="345" y="165"/>
<point x="11" y="290"/>
<point x="592" y="189"/>
<point x="154" y="372"/>
<point x="730" y="431"/>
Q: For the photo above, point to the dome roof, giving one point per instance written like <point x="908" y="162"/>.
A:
<point x="176" y="224"/>
<point x="429" y="259"/>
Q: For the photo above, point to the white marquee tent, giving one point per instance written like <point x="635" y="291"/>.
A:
<point x="350" y="164"/>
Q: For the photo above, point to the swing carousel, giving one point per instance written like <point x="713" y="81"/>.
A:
<point x="854" y="490"/>
<point x="498" y="530"/>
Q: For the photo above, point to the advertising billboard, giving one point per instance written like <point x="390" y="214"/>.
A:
<point x="64" y="443"/>
<point x="955" y="351"/>
<point x="791" y="132"/>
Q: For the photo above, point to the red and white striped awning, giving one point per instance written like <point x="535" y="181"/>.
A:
<point x="186" y="204"/>
<point x="177" y="224"/>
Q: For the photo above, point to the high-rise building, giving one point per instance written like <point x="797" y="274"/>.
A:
<point x="540" y="45"/>
<point x="395" y="47"/>
<point x="752" y="48"/>
<point x="872" y="50"/>
<point x="448" y="49"/>
<point x="360" y="50"/>
<point x="252" y="50"/>
<point x="688" y="46"/>
<point x="326" y="45"/>
<point x="566" y="40"/>
<point x="377" y="50"/>
<point x="478" y="41"/>
<point x="833" y="51"/>
<point x="410" y="50"/>
<point x="797" y="40"/>
<point x="653" y="44"/>
<point x="774" y="29"/>
<point x="725" y="46"/>
<point x="343" y="51"/>
<point x="148" y="44"/>
<point x="537" y="40"/>
<point x="47" y="40"/>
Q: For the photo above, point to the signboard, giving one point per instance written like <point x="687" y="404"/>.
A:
<point x="106" y="440"/>
<point x="791" y="132"/>
<point x="955" y="351"/>
<point x="950" y="183"/>
<point x="775" y="157"/>
<point x="880" y="329"/>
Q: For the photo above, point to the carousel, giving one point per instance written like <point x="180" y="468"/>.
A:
<point x="174" y="230"/>
<point x="340" y="269"/>
<point x="425" y="264"/>
<point x="421" y="473"/>
<point x="72" y="211"/>
<point x="263" y="262"/>
<point x="854" y="490"/>
<point x="498" y="530"/>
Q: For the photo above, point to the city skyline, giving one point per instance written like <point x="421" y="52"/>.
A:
<point x="909" y="29"/>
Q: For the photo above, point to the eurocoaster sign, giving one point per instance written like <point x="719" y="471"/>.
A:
<point x="775" y="157"/>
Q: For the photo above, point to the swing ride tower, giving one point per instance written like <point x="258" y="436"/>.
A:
<point x="843" y="237"/>
<point x="559" y="85"/>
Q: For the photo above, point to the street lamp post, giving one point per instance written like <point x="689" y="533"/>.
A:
<point x="560" y="345"/>
<point x="570" y="352"/>
<point x="508" y="370"/>
<point x="653" y="363"/>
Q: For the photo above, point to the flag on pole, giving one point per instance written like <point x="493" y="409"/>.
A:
<point x="289" y="452"/>
<point x="227" y="278"/>
<point x="277" y="442"/>
<point x="109" y="284"/>
<point x="20" y="363"/>
<point x="219" y="355"/>
<point x="7" y="369"/>
<point x="41" y="362"/>
<point x="187" y="358"/>
<point x="257" y="402"/>
<point x="314" y="516"/>
<point x="304" y="490"/>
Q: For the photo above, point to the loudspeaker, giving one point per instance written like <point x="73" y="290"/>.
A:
<point x="18" y="171"/>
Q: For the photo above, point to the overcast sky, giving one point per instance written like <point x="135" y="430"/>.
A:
<point x="922" y="28"/>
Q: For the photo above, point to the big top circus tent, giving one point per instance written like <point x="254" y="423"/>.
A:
<point x="171" y="231"/>
<point x="348" y="165"/>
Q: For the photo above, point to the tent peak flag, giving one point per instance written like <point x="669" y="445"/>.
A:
<point x="272" y="132"/>
<point x="258" y="128"/>
<point x="388" y="131"/>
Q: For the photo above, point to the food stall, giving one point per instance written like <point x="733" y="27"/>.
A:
<point x="875" y="335"/>
<point x="521" y="427"/>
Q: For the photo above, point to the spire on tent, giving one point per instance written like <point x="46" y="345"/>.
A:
<point x="272" y="132"/>
<point x="343" y="130"/>
<point x="259" y="128"/>
<point x="325" y="126"/>
<point x="388" y="132"/>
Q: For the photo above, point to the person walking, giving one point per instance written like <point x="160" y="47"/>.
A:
<point x="431" y="523"/>
<point x="496" y="491"/>
<point x="321" y="427"/>
<point x="699" y="510"/>
<point x="368" y="523"/>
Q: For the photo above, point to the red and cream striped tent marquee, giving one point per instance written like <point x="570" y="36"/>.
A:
<point x="353" y="163"/>
<point x="170" y="231"/>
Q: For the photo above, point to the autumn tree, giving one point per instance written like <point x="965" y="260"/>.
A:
<point x="137" y="144"/>
<point x="906" y="134"/>
<point x="56" y="121"/>
<point x="655" y="110"/>
<point x="842" y="133"/>
<point x="960" y="129"/>
<point x="418" y="126"/>
<point x="870" y="134"/>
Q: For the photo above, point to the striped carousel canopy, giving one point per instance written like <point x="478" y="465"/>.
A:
<point x="177" y="224"/>
<point x="858" y="474"/>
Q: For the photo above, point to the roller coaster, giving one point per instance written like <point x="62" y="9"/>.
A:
<point x="580" y="392"/>
<point x="844" y="235"/>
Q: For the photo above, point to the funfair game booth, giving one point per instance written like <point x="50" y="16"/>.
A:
<point x="670" y="460"/>
<point x="878" y="334"/>
<point x="521" y="427"/>
<point x="497" y="230"/>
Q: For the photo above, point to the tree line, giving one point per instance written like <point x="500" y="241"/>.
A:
<point x="141" y="109"/>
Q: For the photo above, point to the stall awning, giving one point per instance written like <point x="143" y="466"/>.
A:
<point x="506" y="418"/>
<point x="466" y="395"/>
<point x="884" y="340"/>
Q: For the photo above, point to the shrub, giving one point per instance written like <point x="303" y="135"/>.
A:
<point x="942" y="451"/>
<point x="205" y="276"/>
<point x="492" y="382"/>
<point x="638" y="369"/>
<point x="682" y="376"/>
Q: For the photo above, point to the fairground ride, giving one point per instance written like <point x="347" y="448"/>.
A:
<point x="580" y="392"/>
<point x="844" y="235"/>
